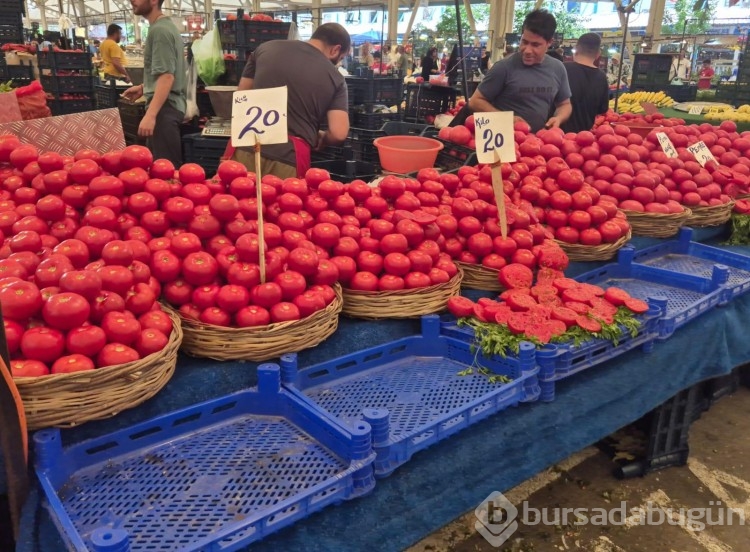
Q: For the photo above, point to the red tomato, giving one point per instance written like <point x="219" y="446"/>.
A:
<point x="215" y="316"/>
<point x="284" y="312"/>
<point x="252" y="316"/>
<point x="309" y="302"/>
<point x="140" y="299"/>
<point x="156" y="320"/>
<point x="165" y="266"/>
<point x="20" y="300"/>
<point x="325" y="235"/>
<point x="417" y="280"/>
<point x="199" y="268"/>
<point x="178" y="292"/>
<point x="185" y="243"/>
<point x="232" y="298"/>
<point x="266" y="295"/>
<point x="328" y="273"/>
<point x="192" y="173"/>
<point x="420" y="261"/>
<point x="370" y="262"/>
<point x="117" y="279"/>
<point x="204" y="297"/>
<point x="150" y="341"/>
<point x="326" y="292"/>
<point x="28" y="368"/>
<point x="389" y="282"/>
<point x="120" y="327"/>
<point x="42" y="344"/>
<point x="72" y="363"/>
<point x="303" y="261"/>
<point x="364" y="281"/>
<point x="397" y="264"/>
<point x="244" y="274"/>
<point x="114" y="354"/>
<point x="610" y="231"/>
<point x="438" y="276"/>
<point x="87" y="340"/>
<point x="394" y="243"/>
<point x="346" y="266"/>
<point x="86" y="283"/>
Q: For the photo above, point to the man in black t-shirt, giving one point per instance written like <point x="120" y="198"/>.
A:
<point x="588" y="84"/>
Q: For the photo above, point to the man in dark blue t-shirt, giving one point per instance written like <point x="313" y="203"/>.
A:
<point x="529" y="82"/>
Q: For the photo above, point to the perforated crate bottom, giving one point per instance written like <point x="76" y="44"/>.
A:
<point x="678" y="299"/>
<point x="687" y="264"/>
<point x="415" y="390"/>
<point x="183" y="491"/>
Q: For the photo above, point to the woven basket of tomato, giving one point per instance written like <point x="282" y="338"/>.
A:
<point x="657" y="225"/>
<point x="603" y="252"/>
<point x="402" y="303"/>
<point x="713" y="215"/>
<point x="260" y="340"/>
<point x="67" y="399"/>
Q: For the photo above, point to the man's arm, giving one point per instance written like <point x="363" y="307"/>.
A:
<point x="120" y="67"/>
<point x="562" y="113"/>
<point x="245" y="84"/>
<point x="479" y="104"/>
<point x="161" y="93"/>
<point x="338" y="129"/>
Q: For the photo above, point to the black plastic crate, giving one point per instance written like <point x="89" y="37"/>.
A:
<point x="69" y="84"/>
<point x="387" y="90"/>
<point x="346" y="171"/>
<point x="203" y="150"/>
<point x="135" y="140"/>
<point x="108" y="95"/>
<point x="11" y="30"/>
<point x="64" y="60"/>
<point x="400" y="128"/>
<point x="667" y="427"/>
<point x="453" y="156"/>
<point x="205" y="108"/>
<point x="373" y="121"/>
<point x="248" y="35"/>
<point x="16" y="6"/>
<point x="232" y="72"/>
<point x="131" y="115"/>
<point x="361" y="140"/>
<point x="66" y="107"/>
<point x="227" y="31"/>
<point x="21" y="75"/>
<point x="424" y="100"/>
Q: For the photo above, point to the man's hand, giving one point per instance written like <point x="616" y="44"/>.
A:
<point x="146" y="128"/>
<point x="517" y="119"/>
<point x="554" y="122"/>
<point x="133" y="93"/>
<point x="321" y="144"/>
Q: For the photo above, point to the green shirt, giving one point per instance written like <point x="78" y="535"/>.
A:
<point x="163" y="54"/>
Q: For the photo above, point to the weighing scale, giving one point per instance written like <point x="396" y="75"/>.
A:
<point x="218" y="128"/>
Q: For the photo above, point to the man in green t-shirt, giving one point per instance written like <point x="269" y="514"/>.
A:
<point x="164" y="83"/>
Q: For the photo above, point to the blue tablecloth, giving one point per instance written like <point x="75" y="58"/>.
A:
<point x="452" y="477"/>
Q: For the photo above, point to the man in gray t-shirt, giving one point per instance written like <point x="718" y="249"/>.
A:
<point x="317" y="95"/>
<point x="529" y="82"/>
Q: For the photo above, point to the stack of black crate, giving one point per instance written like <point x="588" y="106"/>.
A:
<point x="67" y="78"/>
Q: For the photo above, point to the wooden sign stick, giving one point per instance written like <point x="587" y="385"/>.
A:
<point x="497" y="187"/>
<point x="259" y="200"/>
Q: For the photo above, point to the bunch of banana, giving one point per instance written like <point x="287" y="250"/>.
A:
<point x="659" y="99"/>
<point x="626" y="107"/>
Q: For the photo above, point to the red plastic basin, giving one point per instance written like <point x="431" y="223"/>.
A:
<point x="405" y="154"/>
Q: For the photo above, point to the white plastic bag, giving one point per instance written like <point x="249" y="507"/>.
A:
<point x="192" y="85"/>
<point x="209" y="57"/>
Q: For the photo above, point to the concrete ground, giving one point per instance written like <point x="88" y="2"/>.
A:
<point x="716" y="479"/>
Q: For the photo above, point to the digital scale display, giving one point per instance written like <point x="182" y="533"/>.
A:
<point x="215" y="126"/>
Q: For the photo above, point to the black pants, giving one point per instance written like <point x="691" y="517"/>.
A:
<point x="166" y="143"/>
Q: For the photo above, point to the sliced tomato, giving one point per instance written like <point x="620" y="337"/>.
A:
<point x="502" y="315"/>
<point x="508" y="292"/>
<point x="557" y="327"/>
<point x="601" y="304"/>
<point x="422" y="218"/>
<point x="515" y="276"/>
<point x="539" y="331"/>
<point x="479" y="313"/>
<point x="546" y="276"/>
<point x="565" y="283"/>
<point x="616" y="296"/>
<point x="541" y="290"/>
<point x="540" y="312"/>
<point x="461" y="306"/>
<point x="605" y="317"/>
<point x="578" y="294"/>
<point x="552" y="256"/>
<point x="594" y="290"/>
<point x="517" y="322"/>
<point x="589" y="324"/>
<point x="521" y="302"/>
<point x="578" y="308"/>
<point x="550" y="301"/>
<point x="636" y="305"/>
<point x="486" y="302"/>
<point x="565" y="315"/>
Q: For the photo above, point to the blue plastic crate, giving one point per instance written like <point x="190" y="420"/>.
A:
<point x="682" y="296"/>
<point x="410" y="390"/>
<point x="214" y="476"/>
<point x="558" y="361"/>
<point x="689" y="257"/>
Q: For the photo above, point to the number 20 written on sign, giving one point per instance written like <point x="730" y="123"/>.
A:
<point x="492" y="140"/>
<point x="269" y="118"/>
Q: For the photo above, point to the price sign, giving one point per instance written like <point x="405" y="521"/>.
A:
<point x="259" y="114"/>
<point x="494" y="132"/>
<point x="701" y="152"/>
<point x="666" y="144"/>
<point x="696" y="110"/>
<point x="649" y="108"/>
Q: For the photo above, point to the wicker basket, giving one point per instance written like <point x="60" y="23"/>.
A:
<point x="261" y="343"/>
<point x="604" y="252"/>
<point x="710" y="216"/>
<point x="657" y="225"/>
<point x="479" y="277"/>
<point x="67" y="400"/>
<point x="403" y="303"/>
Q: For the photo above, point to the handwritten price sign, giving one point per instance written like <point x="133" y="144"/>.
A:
<point x="666" y="144"/>
<point x="261" y="115"/>
<point x="494" y="132"/>
<point x="701" y="152"/>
